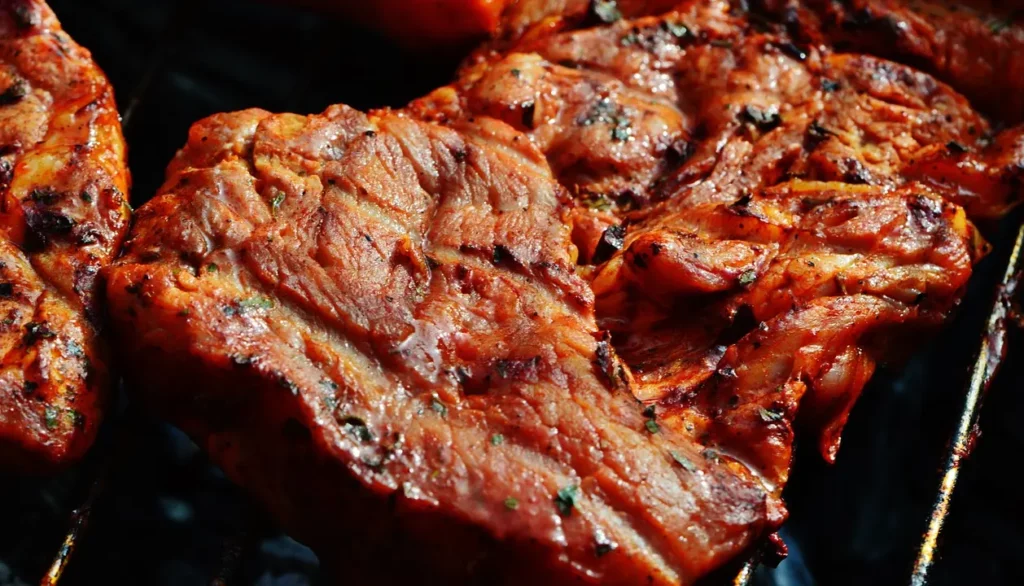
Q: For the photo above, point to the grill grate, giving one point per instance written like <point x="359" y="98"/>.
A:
<point x="164" y="58"/>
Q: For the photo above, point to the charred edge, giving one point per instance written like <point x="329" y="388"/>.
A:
<point x="611" y="242"/>
<point x="763" y="120"/>
<point x="14" y="93"/>
<point x="529" y="109"/>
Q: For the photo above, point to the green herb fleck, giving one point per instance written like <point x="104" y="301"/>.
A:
<point x="770" y="415"/>
<point x="511" y="503"/>
<point x="599" y="203"/>
<point x="1000" y="24"/>
<point x="566" y="499"/>
<point x="438" y="407"/>
<point x="721" y="43"/>
<point x="683" y="461"/>
<point x="86" y="197"/>
<point x="747" y="278"/>
<point x="497" y="439"/>
<point x="677" y="29"/>
<point x="516" y="73"/>
<point x="711" y="455"/>
<point x="606" y="11"/>
<point x="629" y="39"/>
<point x="276" y="200"/>
<point x="52" y="415"/>
<point x="622" y="130"/>
<point x="652" y="426"/>
<point x="212" y="267"/>
<point x="257" y="302"/>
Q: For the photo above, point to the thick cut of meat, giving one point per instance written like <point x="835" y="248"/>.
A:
<point x="64" y="213"/>
<point x="558" y="320"/>
<point x="977" y="46"/>
<point x="376" y="320"/>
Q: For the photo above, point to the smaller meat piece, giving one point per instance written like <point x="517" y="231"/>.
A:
<point x="64" y="212"/>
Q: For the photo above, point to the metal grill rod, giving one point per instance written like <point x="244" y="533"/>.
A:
<point x="990" y="356"/>
<point x="80" y="515"/>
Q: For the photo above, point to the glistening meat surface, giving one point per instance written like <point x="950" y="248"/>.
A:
<point x="64" y="212"/>
<point x="558" y="320"/>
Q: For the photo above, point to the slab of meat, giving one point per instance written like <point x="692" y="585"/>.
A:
<point x="557" y="321"/>
<point x="64" y="181"/>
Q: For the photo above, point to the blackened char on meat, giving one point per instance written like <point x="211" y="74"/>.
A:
<point x="557" y="320"/>
<point x="63" y="183"/>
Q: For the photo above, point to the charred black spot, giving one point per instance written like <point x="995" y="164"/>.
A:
<point x="611" y="242"/>
<point x="955" y="147"/>
<point x="639" y="260"/>
<point x="520" y="370"/>
<point x="764" y="120"/>
<point x="854" y="172"/>
<point x="816" y="134"/>
<point x="35" y="331"/>
<point x="529" y="109"/>
<point x="46" y="196"/>
<point x="678" y="152"/>
<point x="829" y="85"/>
<point x="14" y="93"/>
<point x="460" y="155"/>
<point x="6" y="290"/>
<point x="741" y="204"/>
<point x="45" y="224"/>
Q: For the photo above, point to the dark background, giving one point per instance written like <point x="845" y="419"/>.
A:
<point x="166" y="517"/>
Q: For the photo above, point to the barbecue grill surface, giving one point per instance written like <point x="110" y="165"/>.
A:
<point x="165" y="516"/>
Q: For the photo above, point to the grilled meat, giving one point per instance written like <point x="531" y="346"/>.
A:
<point x="563" y="315"/>
<point x="64" y="182"/>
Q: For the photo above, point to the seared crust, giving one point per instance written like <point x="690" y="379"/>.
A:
<point x="63" y="179"/>
<point x="559" y="318"/>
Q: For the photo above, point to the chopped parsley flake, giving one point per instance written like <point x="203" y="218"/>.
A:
<point x="276" y="200"/>
<point x="438" y="407"/>
<point x="683" y="461"/>
<point x="652" y="426"/>
<point x="52" y="415"/>
<point x="257" y="302"/>
<point x="511" y="503"/>
<point x="566" y="499"/>
<point x="677" y="29"/>
<point x="606" y="11"/>
<point x="747" y="278"/>
<point x="497" y="439"/>
<point x="770" y="415"/>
